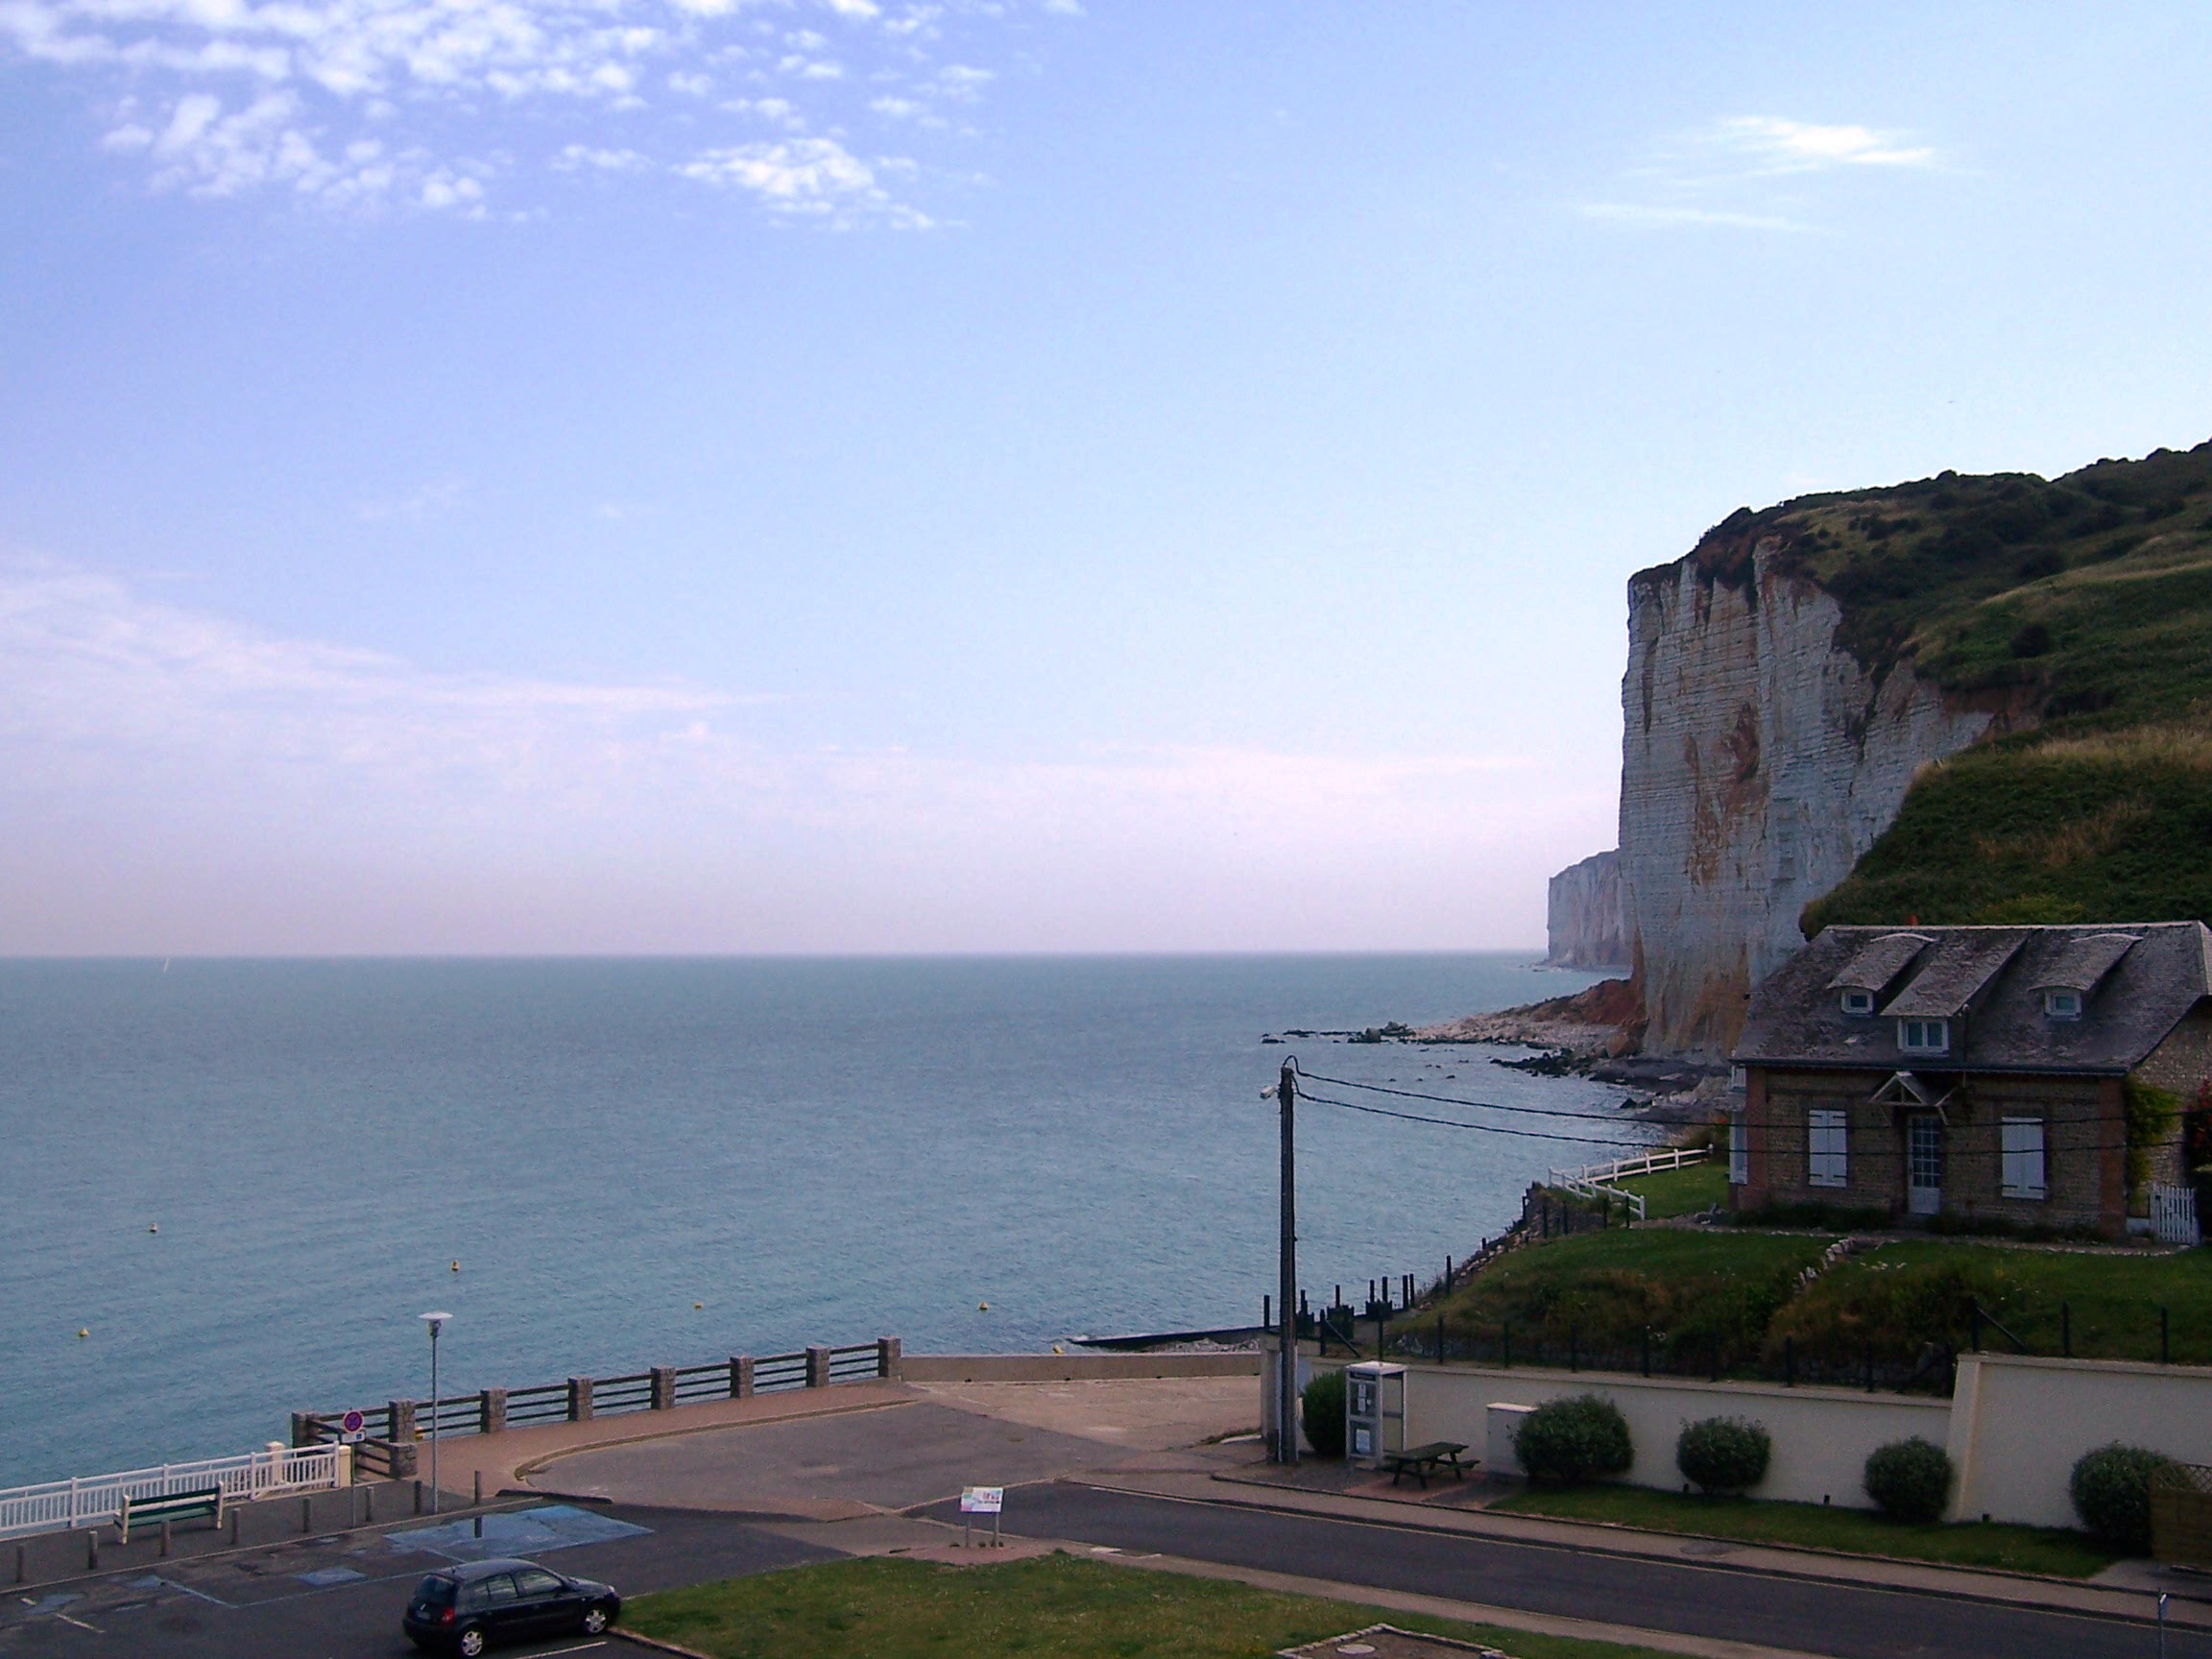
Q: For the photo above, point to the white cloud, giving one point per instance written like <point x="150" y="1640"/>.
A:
<point x="225" y="97"/>
<point x="1751" y="173"/>
<point x="574" y="158"/>
<point x="1636" y="213"/>
<point x="1777" y="146"/>
<point x="172" y="771"/>
<point x="816" y="177"/>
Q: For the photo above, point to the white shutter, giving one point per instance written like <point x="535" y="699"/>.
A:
<point x="1825" y="1147"/>
<point x="2023" y="1156"/>
<point x="1738" y="1151"/>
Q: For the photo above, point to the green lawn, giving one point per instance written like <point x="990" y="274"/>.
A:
<point x="1589" y="1299"/>
<point x="1059" y="1605"/>
<point x="1916" y="1291"/>
<point x="1820" y="1526"/>
<point x="1598" y="1292"/>
<point x="1682" y="1191"/>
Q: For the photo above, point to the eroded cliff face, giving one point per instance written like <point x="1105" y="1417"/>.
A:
<point x="1584" y="915"/>
<point x="1759" y="760"/>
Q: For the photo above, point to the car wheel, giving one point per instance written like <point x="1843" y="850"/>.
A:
<point x="471" y="1644"/>
<point x="594" y="1621"/>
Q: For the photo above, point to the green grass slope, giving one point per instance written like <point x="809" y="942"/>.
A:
<point x="2078" y="612"/>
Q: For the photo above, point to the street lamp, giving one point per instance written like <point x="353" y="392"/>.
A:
<point x="437" y="1322"/>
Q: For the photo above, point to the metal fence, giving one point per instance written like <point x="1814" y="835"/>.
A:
<point x="489" y="1410"/>
<point x="93" y="1500"/>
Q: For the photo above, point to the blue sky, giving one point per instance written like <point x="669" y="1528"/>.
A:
<point x="848" y="474"/>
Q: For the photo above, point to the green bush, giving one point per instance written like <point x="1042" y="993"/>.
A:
<point x="1323" y="1413"/>
<point x="1573" y="1439"/>
<point x="1910" y="1480"/>
<point x="2111" y="1491"/>
<point x="1723" y="1454"/>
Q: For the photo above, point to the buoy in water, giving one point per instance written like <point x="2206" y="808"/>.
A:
<point x="152" y="1228"/>
<point x="456" y="1267"/>
<point x="696" y="1306"/>
<point x="83" y="1333"/>
<point x="983" y="1306"/>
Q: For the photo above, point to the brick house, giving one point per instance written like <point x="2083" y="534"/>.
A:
<point x="1972" y="1071"/>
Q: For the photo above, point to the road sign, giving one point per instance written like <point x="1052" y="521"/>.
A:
<point x="981" y="1499"/>
<point x="353" y="1422"/>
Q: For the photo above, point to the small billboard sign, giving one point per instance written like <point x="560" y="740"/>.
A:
<point x="982" y="1499"/>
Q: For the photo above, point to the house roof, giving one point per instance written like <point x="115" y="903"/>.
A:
<point x="2084" y="962"/>
<point x="1876" y="964"/>
<point x="2138" y="981"/>
<point x="1949" y="977"/>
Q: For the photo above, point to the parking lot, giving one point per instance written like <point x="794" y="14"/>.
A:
<point x="340" y="1596"/>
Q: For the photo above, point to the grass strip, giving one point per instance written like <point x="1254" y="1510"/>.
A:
<point x="1061" y="1606"/>
<point x="2042" y="1550"/>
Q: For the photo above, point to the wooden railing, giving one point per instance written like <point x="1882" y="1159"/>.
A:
<point x="1596" y="1180"/>
<point x="400" y="1424"/>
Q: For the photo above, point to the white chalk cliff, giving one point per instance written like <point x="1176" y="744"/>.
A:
<point x="1759" y="760"/>
<point x="1583" y="914"/>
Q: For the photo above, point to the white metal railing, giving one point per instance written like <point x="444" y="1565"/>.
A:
<point x="93" y="1500"/>
<point x="1596" y="1180"/>
<point x="2173" y="1215"/>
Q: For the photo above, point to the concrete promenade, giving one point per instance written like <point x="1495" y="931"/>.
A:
<point x="1160" y="1473"/>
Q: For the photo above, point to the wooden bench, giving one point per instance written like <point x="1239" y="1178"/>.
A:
<point x="205" y="1503"/>
<point x="1423" y="1461"/>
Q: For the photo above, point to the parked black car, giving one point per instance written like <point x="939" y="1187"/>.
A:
<point x="465" y="1609"/>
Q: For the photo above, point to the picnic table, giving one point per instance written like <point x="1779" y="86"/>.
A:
<point x="1423" y="1461"/>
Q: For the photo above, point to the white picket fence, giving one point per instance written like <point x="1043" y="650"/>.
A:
<point x="2173" y="1215"/>
<point x="1596" y="1180"/>
<point x="93" y="1500"/>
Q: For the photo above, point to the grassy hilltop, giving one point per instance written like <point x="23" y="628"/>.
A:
<point x="2079" y="610"/>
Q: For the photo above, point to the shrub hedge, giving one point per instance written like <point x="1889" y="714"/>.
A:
<point x="1723" y="1454"/>
<point x="1573" y="1439"/>
<point x="2111" y="1492"/>
<point x="1322" y="1412"/>
<point x="1910" y="1480"/>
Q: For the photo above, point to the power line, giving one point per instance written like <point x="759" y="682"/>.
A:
<point x="2054" y="1118"/>
<point x="1449" y="1099"/>
<point x="1474" y="1128"/>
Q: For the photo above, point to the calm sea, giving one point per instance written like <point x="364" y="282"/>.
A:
<point x="815" y="1150"/>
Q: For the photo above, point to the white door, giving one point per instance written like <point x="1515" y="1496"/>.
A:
<point x="1924" y="1164"/>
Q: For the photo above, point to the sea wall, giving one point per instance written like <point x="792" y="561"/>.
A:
<point x="1759" y="760"/>
<point x="2013" y="1425"/>
<point x="1584" y="915"/>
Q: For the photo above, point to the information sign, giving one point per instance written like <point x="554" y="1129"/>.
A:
<point x="982" y="1499"/>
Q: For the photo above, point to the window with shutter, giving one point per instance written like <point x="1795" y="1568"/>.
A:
<point x="1738" y="1151"/>
<point x="2023" y="1156"/>
<point x="1825" y="1160"/>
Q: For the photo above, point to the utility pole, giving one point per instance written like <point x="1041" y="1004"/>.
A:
<point x="1286" y="1303"/>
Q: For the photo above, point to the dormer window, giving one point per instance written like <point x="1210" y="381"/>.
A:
<point x="1924" y="1036"/>
<point x="2062" y="1004"/>
<point x="1859" y="1004"/>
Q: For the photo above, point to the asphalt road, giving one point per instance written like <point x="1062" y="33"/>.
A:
<point x="1702" y="1598"/>
<point x="260" y="1604"/>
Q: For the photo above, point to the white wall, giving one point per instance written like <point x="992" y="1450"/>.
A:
<point x="2018" y="1425"/>
<point x="1821" y="1435"/>
<point x="2013" y="1427"/>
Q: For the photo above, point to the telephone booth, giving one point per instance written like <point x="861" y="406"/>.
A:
<point x="1374" y="1411"/>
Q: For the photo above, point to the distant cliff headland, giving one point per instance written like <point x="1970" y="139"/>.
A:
<point x="1957" y="700"/>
